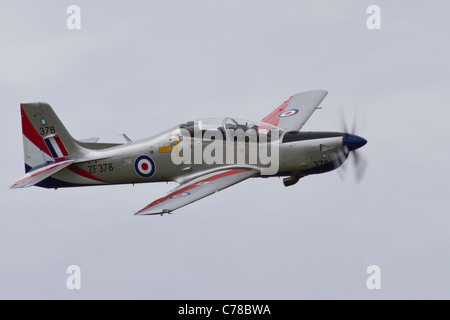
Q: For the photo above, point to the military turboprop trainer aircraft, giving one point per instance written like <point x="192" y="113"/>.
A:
<point x="203" y="156"/>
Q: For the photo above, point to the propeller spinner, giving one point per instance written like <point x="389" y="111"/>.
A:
<point x="352" y="143"/>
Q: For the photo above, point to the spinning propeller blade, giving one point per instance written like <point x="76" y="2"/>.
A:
<point x="352" y="143"/>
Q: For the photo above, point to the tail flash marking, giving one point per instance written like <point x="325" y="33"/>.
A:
<point x="56" y="147"/>
<point x="61" y="146"/>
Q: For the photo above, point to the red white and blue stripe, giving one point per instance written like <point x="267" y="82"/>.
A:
<point x="56" y="147"/>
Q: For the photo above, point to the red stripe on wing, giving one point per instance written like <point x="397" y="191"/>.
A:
<point x="191" y="186"/>
<point x="272" y="118"/>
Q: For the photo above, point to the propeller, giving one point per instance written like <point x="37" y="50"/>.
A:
<point x="351" y="143"/>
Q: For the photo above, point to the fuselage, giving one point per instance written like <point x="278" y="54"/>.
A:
<point x="193" y="148"/>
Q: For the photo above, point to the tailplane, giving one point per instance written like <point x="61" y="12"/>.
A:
<point x="34" y="177"/>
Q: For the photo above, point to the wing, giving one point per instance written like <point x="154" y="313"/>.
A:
<point x="296" y="110"/>
<point x="197" y="189"/>
<point x="36" y="176"/>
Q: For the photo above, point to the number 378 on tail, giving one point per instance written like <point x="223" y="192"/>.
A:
<point x="202" y="156"/>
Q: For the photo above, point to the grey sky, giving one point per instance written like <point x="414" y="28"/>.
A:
<point x="140" y="67"/>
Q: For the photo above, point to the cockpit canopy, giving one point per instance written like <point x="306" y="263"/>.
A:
<point x="228" y="127"/>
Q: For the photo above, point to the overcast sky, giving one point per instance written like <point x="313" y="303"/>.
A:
<point x="140" y="67"/>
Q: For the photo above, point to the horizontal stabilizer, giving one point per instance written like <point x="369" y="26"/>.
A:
<point x="35" y="176"/>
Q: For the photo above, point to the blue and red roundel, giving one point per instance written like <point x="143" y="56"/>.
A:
<point x="144" y="166"/>
<point x="288" y="113"/>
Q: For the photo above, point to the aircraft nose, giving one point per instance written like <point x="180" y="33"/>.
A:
<point x="353" y="142"/>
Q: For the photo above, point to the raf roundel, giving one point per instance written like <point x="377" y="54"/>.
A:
<point x="288" y="113"/>
<point x="144" y="166"/>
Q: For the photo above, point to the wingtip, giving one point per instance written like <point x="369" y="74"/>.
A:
<point x="159" y="213"/>
<point x="317" y="91"/>
<point x="16" y="185"/>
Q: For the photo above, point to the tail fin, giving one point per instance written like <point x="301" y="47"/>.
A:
<point x="45" y="139"/>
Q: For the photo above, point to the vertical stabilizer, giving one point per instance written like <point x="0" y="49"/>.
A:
<point x="45" y="139"/>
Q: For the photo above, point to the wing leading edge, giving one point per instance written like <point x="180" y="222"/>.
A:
<point x="197" y="189"/>
<point x="292" y="114"/>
